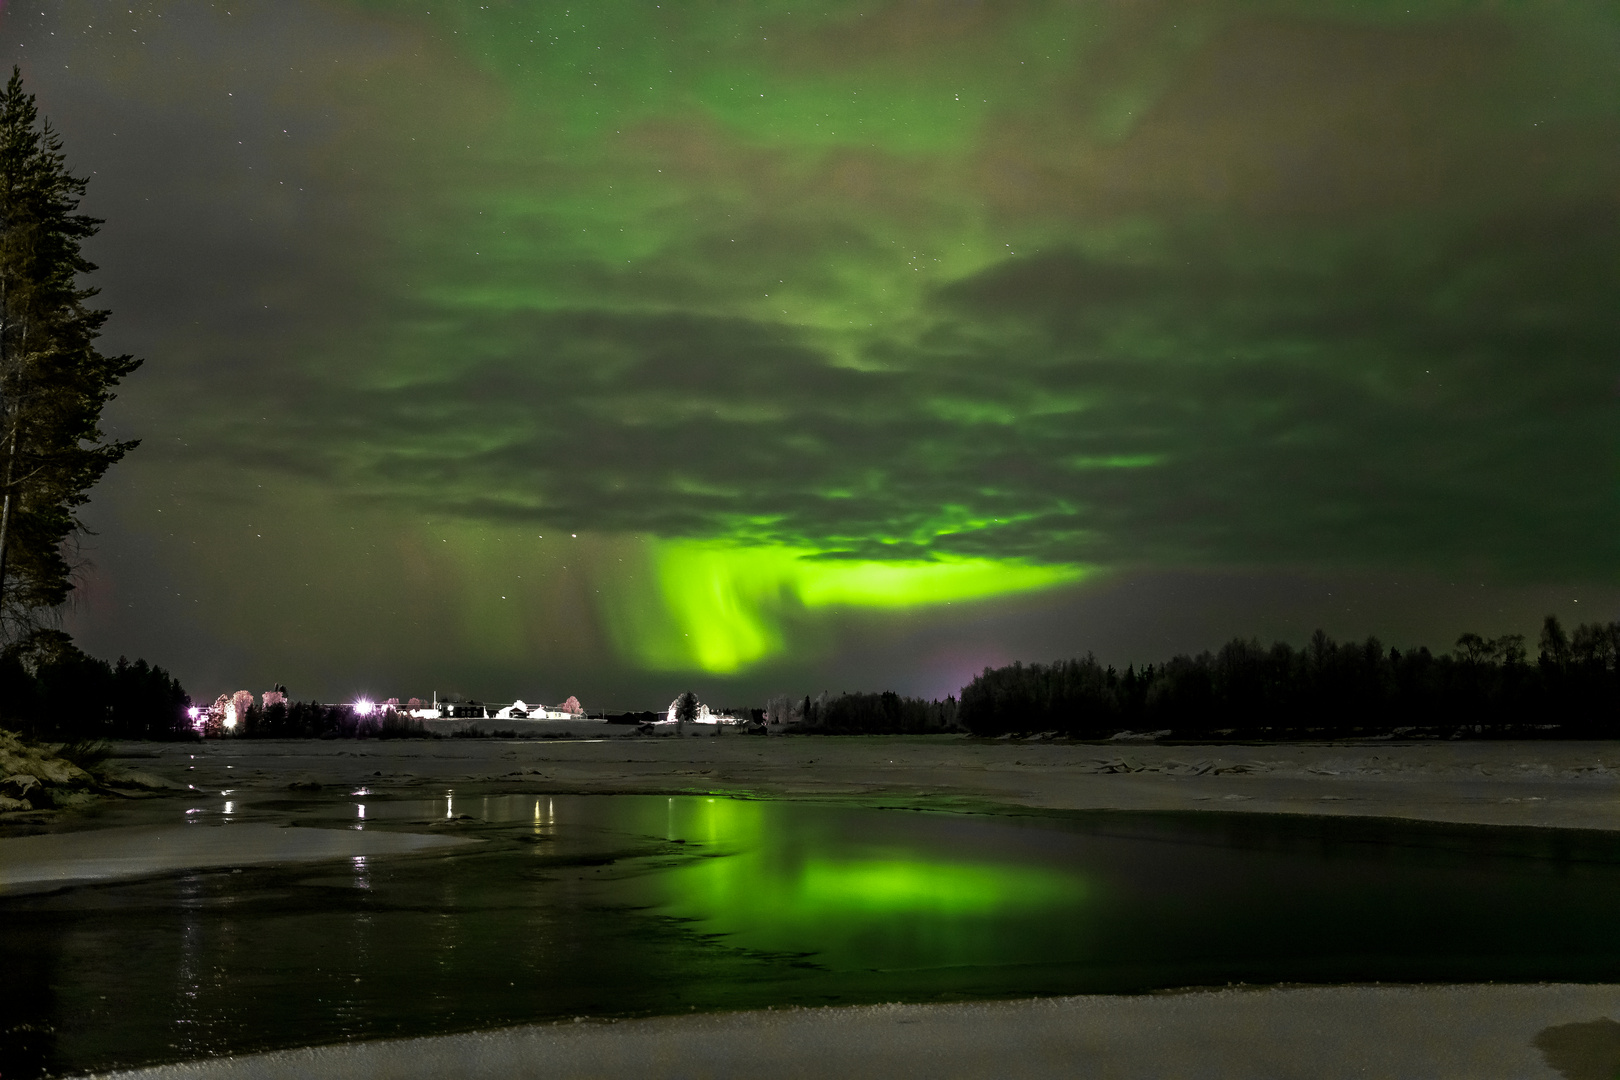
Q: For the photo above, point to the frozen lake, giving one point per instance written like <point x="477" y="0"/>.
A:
<point x="622" y="905"/>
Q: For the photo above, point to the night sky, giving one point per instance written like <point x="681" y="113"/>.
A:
<point x="527" y="348"/>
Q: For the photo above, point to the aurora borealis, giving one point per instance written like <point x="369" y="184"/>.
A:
<point x="533" y="348"/>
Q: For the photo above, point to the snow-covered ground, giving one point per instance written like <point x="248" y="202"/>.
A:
<point x="576" y="726"/>
<point x="1494" y="1032"/>
<point x="1567" y="784"/>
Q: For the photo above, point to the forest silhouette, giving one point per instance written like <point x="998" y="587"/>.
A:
<point x="1486" y="687"/>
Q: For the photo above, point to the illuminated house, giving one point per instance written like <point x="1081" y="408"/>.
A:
<point x="519" y="711"/>
<point x="704" y="715"/>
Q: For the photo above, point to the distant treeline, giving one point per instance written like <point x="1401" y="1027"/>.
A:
<point x="312" y="720"/>
<point x="643" y="717"/>
<point x="886" y="713"/>
<point x="49" y="689"/>
<point x="1326" y="689"/>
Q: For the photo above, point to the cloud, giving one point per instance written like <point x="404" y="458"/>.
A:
<point x="896" y="302"/>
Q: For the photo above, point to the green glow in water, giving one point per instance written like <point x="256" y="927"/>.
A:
<point x="773" y="887"/>
<point x="902" y="885"/>
<point x="885" y="884"/>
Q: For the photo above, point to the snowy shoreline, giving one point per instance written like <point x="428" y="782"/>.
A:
<point x="1535" y="783"/>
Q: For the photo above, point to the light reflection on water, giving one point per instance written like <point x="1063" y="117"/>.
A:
<point x="789" y="877"/>
<point x="617" y="905"/>
<point x="857" y="901"/>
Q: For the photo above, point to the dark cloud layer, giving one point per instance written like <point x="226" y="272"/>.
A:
<point x="1308" y="291"/>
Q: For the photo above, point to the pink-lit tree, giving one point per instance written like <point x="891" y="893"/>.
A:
<point x="237" y="709"/>
<point x="572" y="705"/>
<point x="214" y="719"/>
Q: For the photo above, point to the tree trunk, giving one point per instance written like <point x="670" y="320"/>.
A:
<point x="5" y="520"/>
<point x="13" y="407"/>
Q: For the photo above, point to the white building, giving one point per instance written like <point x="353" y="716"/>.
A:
<point x="519" y="711"/>
<point x="704" y="715"/>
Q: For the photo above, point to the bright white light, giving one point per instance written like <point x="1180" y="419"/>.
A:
<point x="229" y="807"/>
<point x="362" y="808"/>
<point x="364" y="708"/>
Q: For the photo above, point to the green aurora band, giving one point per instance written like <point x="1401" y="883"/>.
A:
<point x="720" y="607"/>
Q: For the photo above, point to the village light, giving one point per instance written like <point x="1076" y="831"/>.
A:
<point x="363" y="707"/>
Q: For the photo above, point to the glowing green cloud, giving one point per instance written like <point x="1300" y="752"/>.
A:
<point x="721" y="607"/>
<point x="773" y="72"/>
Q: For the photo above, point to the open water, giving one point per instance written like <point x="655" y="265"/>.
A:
<point x="631" y="905"/>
